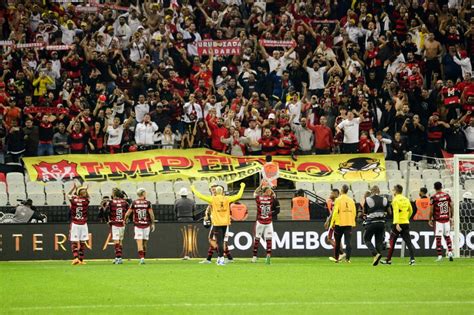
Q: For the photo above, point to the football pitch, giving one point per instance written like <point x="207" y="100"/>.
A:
<point x="287" y="286"/>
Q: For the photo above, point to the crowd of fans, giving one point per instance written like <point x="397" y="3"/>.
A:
<point x="360" y="76"/>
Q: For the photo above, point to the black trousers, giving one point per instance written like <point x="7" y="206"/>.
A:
<point x="350" y="148"/>
<point x="405" y="234"/>
<point x="377" y="230"/>
<point x="219" y="231"/>
<point x="339" y="232"/>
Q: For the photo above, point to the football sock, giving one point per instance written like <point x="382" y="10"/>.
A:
<point x="144" y="253"/>
<point x="210" y="253"/>
<point x="82" y="247"/>
<point x="438" y="246"/>
<point x="227" y="253"/>
<point x="255" y="246"/>
<point x="75" y="250"/>
<point x="118" y="250"/>
<point x="141" y="254"/>
<point x="269" y="247"/>
<point x="447" y="238"/>
<point x="393" y="239"/>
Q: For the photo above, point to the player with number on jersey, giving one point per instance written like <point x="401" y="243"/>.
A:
<point x="79" y="232"/>
<point x="264" y="196"/>
<point x="116" y="210"/>
<point x="441" y="210"/>
<point x="143" y="218"/>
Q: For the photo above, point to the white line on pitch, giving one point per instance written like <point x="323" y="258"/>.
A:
<point x="201" y="305"/>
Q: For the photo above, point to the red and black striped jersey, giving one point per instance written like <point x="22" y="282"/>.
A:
<point x="264" y="209"/>
<point x="141" y="217"/>
<point x="441" y="202"/>
<point x="79" y="208"/>
<point x="117" y="208"/>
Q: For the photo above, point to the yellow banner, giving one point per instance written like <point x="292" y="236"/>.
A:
<point x="201" y="164"/>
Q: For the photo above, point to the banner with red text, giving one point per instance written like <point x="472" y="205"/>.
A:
<point x="201" y="164"/>
<point x="277" y="43"/>
<point x="230" y="47"/>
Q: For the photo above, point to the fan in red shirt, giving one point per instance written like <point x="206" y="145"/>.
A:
<point x="78" y="135"/>
<point x="441" y="211"/>
<point x="264" y="196"/>
<point x="288" y="142"/>
<point x="365" y="144"/>
<point x="268" y="142"/>
<point x="116" y="211"/>
<point x="143" y="218"/>
<point x="451" y="97"/>
<point x="218" y="130"/>
<point x="468" y="96"/>
<point x="79" y="232"/>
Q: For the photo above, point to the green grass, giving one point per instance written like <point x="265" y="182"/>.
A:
<point x="288" y="286"/>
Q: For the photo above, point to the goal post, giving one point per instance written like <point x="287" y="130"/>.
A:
<point x="463" y="180"/>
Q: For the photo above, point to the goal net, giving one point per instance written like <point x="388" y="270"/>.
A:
<point x="463" y="200"/>
<point x="456" y="173"/>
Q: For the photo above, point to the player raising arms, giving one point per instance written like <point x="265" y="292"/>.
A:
<point x="330" y="236"/>
<point x="143" y="217"/>
<point x="220" y="215"/>
<point x="264" y="196"/>
<point x="79" y="232"/>
<point x="116" y="211"/>
<point x="441" y="210"/>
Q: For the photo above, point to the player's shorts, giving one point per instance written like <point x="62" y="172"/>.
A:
<point x="263" y="229"/>
<point x="117" y="232"/>
<point x="78" y="232"/>
<point x="142" y="233"/>
<point x="442" y="228"/>
<point x="330" y="234"/>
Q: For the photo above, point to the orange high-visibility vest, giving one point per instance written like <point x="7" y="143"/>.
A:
<point x="300" y="210"/>
<point x="238" y="212"/>
<point x="422" y="209"/>
<point x="269" y="170"/>
<point x="330" y="205"/>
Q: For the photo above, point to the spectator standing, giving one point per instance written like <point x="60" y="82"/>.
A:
<point x="61" y="140"/>
<point x="184" y="207"/>
<point x="46" y="132"/>
<point x="304" y="137"/>
<point x="350" y="127"/>
<point x="144" y="132"/>
<point x="31" y="138"/>
<point x="323" y="137"/>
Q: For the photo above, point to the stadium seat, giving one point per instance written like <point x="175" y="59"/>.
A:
<point x="55" y="199"/>
<point x="199" y="201"/>
<point x="95" y="198"/>
<point x="446" y="173"/>
<point x="202" y="186"/>
<point x="383" y="185"/>
<point x="357" y="186"/>
<point x="53" y="188"/>
<point x="322" y="186"/>
<point x="394" y="174"/>
<point x="92" y="186"/>
<point x="393" y="182"/>
<point x="3" y="199"/>
<point x="429" y="183"/>
<point x="67" y="186"/>
<point x="14" y="197"/>
<point x="106" y="187"/>
<point x="414" y="173"/>
<point x="3" y="178"/>
<point x="391" y="165"/>
<point x="3" y="187"/>
<point x="34" y="188"/>
<point x="304" y="186"/>
<point x="15" y="177"/>
<point x="414" y="194"/>
<point x="38" y="198"/>
<point x="148" y="186"/>
<point x="403" y="165"/>
<point x="339" y="185"/>
<point x="422" y="165"/>
<point x="323" y="193"/>
<point x="166" y="198"/>
<point x="469" y="185"/>
<point x="130" y="188"/>
<point x="223" y="184"/>
<point x="180" y="184"/>
<point x="415" y="184"/>
<point x="431" y="174"/>
<point x="358" y="194"/>
<point x="164" y="186"/>
<point x="151" y="196"/>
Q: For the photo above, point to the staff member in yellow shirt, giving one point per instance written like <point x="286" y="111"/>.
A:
<point x="343" y="219"/>
<point x="402" y="211"/>
<point x="220" y="215"/>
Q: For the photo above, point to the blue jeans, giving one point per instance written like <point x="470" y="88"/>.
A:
<point x="45" y="149"/>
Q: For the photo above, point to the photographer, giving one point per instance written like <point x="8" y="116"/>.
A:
<point x="25" y="212"/>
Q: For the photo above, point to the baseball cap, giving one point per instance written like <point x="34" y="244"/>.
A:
<point x="271" y="116"/>
<point x="183" y="191"/>
<point x="224" y="69"/>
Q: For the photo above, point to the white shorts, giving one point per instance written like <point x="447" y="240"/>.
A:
<point x="142" y="233"/>
<point x="264" y="229"/>
<point x="117" y="232"/>
<point x="78" y="232"/>
<point x="442" y="229"/>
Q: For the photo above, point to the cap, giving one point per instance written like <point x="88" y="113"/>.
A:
<point x="224" y="69"/>
<point x="252" y="119"/>
<point x="463" y="54"/>
<point x="271" y="116"/>
<point x="159" y="105"/>
<point x="140" y="191"/>
<point x="467" y="195"/>
<point x="102" y="98"/>
<point x="183" y="191"/>
<point x="436" y="114"/>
